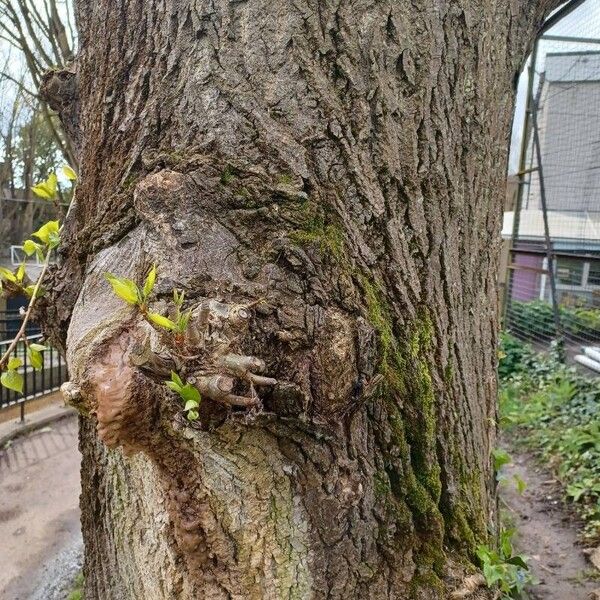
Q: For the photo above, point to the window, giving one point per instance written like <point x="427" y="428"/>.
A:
<point x="594" y="273"/>
<point x="569" y="271"/>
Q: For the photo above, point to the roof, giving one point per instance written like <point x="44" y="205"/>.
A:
<point x="572" y="66"/>
<point x="569" y="230"/>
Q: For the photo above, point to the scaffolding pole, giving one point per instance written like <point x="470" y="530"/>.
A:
<point x="549" y="247"/>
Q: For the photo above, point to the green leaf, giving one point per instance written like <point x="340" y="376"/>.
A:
<point x="38" y="347"/>
<point x="190" y="405"/>
<point x="183" y="321"/>
<point x="189" y="392"/>
<point x="161" y="321"/>
<point x="173" y="386"/>
<point x="176" y="379"/>
<point x="178" y="298"/>
<point x="501" y="458"/>
<point x="520" y="483"/>
<point x="193" y="415"/>
<point x="47" y="189"/>
<point x="505" y="542"/>
<point x="492" y="574"/>
<point x="150" y="281"/>
<point x="7" y="275"/>
<point x="30" y="247"/>
<point x="69" y="173"/>
<point x="30" y="289"/>
<point x="124" y="288"/>
<point x="12" y="380"/>
<point x="20" y="274"/>
<point x="35" y="358"/>
<point x="48" y="233"/>
<point x="519" y="561"/>
<point x="14" y="363"/>
<point x="53" y="240"/>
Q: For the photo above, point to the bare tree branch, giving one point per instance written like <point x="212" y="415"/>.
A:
<point x="43" y="34"/>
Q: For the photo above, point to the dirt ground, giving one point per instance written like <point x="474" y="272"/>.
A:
<point x="39" y="511"/>
<point x="547" y="534"/>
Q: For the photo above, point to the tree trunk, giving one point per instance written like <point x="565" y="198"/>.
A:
<point x="338" y="168"/>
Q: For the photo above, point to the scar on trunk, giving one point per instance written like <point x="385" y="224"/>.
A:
<point x="121" y="397"/>
<point x="123" y="384"/>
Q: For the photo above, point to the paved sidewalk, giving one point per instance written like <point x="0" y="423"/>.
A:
<point x="39" y="510"/>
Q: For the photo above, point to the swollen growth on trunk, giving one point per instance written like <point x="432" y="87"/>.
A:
<point x="290" y="212"/>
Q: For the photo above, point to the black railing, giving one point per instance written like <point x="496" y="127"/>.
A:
<point x="10" y="322"/>
<point x="36" y="382"/>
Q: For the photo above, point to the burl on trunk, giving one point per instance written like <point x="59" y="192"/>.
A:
<point x="324" y="180"/>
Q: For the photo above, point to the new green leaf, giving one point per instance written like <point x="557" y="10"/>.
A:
<point x="192" y="415"/>
<point x="124" y="288"/>
<point x="47" y="189"/>
<point x="15" y="363"/>
<point x="160" y="320"/>
<point x="69" y="173"/>
<point x="30" y="247"/>
<point x="49" y="234"/>
<point x="35" y="358"/>
<point x="190" y="393"/>
<point x="12" y="380"/>
<point x="150" y="281"/>
<point x="7" y="275"/>
<point x="190" y="405"/>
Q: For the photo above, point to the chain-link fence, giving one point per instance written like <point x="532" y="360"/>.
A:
<point x="552" y="222"/>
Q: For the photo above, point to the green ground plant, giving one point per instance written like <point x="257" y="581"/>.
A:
<point x="503" y="569"/>
<point x="557" y="413"/>
<point x="76" y="592"/>
<point x="536" y="318"/>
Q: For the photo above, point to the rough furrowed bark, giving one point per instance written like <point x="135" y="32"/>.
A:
<point x="337" y="169"/>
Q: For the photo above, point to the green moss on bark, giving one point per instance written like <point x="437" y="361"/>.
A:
<point x="410" y="398"/>
<point x="316" y="231"/>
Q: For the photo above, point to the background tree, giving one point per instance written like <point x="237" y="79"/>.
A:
<point x="28" y="153"/>
<point x="336" y="171"/>
<point x="39" y="36"/>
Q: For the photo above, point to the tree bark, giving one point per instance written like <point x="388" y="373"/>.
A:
<point x="340" y="168"/>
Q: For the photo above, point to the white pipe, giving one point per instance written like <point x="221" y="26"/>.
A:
<point x="593" y="352"/>
<point x="588" y="362"/>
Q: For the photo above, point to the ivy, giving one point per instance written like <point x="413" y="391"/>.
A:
<point x="503" y="569"/>
<point x="555" y="411"/>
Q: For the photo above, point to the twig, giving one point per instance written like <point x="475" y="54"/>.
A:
<point x="27" y="315"/>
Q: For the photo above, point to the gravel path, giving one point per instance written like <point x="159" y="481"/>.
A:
<point x="40" y="538"/>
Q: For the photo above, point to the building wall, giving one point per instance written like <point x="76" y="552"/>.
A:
<point x="569" y="127"/>
<point x="526" y="282"/>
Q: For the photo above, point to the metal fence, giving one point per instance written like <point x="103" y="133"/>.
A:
<point x="35" y="382"/>
<point x="552" y="282"/>
<point x="10" y="323"/>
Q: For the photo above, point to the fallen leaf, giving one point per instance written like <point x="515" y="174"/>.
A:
<point x="469" y="585"/>
<point x="595" y="557"/>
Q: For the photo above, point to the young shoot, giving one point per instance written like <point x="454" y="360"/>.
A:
<point x="188" y="393"/>
<point x="130" y="292"/>
<point x="47" y="238"/>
